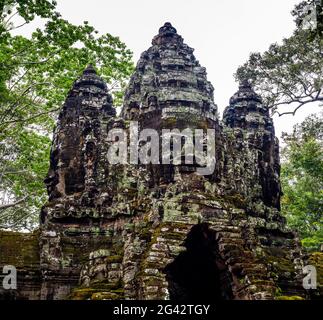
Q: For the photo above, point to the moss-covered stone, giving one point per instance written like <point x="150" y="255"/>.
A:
<point x="316" y="259"/>
<point x="289" y="298"/>
<point x="114" y="259"/>
<point x="102" y="293"/>
<point x="19" y="249"/>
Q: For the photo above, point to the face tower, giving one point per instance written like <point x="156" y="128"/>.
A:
<point x="247" y="115"/>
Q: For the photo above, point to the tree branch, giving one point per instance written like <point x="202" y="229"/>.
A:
<point x="31" y="118"/>
<point x="13" y="204"/>
<point x="301" y="103"/>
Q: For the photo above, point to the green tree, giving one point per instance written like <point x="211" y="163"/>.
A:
<point x="289" y="74"/>
<point x="302" y="180"/>
<point x="36" y="73"/>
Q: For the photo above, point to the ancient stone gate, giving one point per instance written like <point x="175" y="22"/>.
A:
<point x="160" y="231"/>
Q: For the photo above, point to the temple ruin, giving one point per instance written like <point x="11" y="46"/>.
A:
<point x="149" y="231"/>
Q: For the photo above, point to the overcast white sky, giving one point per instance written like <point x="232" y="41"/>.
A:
<point x="222" y="32"/>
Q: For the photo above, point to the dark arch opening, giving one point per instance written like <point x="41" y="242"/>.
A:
<point x="199" y="273"/>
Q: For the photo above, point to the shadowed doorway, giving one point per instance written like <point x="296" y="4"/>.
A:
<point x="199" y="273"/>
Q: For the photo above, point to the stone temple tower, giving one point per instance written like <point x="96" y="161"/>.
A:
<point x="77" y="136"/>
<point x="169" y="89"/>
<point x="167" y="82"/>
<point x="161" y="231"/>
<point x="246" y="112"/>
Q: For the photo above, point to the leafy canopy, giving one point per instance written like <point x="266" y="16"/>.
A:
<point x="302" y="180"/>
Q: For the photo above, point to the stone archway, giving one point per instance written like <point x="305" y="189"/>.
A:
<point x="199" y="273"/>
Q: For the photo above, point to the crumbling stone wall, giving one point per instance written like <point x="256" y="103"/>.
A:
<point x="21" y="250"/>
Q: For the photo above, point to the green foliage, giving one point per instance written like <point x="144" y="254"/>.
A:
<point x="36" y="73"/>
<point x="302" y="181"/>
<point x="289" y="74"/>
